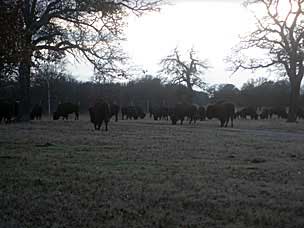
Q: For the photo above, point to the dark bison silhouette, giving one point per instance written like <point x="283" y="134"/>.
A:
<point x="156" y="112"/>
<point x="99" y="113"/>
<point x="265" y="114"/>
<point x="64" y="109"/>
<point x="202" y="113"/>
<point x="248" y="111"/>
<point x="132" y="112"/>
<point x="182" y="110"/>
<point x="159" y="112"/>
<point x="279" y="111"/>
<point x="300" y="113"/>
<point x="221" y="111"/>
<point x="9" y="109"/>
<point x="36" y="112"/>
<point x="114" y="110"/>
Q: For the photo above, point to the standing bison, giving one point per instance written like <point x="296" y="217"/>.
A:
<point x="202" y="113"/>
<point x="178" y="113"/>
<point x="8" y="110"/>
<point x="221" y="111"/>
<point x="36" y="112"/>
<point x="265" y="114"/>
<point x="114" y="110"/>
<point x="100" y="113"/>
<point x="279" y="111"/>
<point x="159" y="112"/>
<point x="300" y="113"/>
<point x="132" y="112"/>
<point x="248" y="111"/>
<point x="65" y="109"/>
<point x="182" y="110"/>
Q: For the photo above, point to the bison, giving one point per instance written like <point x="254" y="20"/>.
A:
<point x="65" y="109"/>
<point x="156" y="112"/>
<point x="159" y="112"/>
<point x="279" y="111"/>
<point x="140" y="112"/>
<point x="265" y="114"/>
<point x="114" y="110"/>
<point x="128" y="112"/>
<point x="222" y="111"/>
<point x="182" y="110"/>
<point x="132" y="112"/>
<point x="202" y="113"/>
<point x="36" y="112"/>
<point x="300" y="113"/>
<point x="248" y="111"/>
<point x="99" y="113"/>
<point x="8" y="110"/>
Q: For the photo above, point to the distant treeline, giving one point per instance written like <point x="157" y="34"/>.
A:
<point x="149" y="91"/>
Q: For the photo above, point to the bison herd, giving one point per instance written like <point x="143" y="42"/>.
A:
<point x="102" y="111"/>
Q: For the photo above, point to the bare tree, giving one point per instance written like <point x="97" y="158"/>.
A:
<point x="279" y="34"/>
<point x="83" y="28"/>
<point x="184" y="71"/>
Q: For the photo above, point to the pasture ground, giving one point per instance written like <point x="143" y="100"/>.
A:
<point x="152" y="174"/>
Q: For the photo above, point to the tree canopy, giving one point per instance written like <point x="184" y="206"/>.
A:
<point x="51" y="29"/>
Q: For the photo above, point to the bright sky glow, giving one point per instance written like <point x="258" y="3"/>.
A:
<point x="212" y="27"/>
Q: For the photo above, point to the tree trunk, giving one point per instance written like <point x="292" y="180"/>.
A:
<point x="294" y="98"/>
<point x="190" y="90"/>
<point x="49" y="97"/>
<point x="24" y="86"/>
<point x="191" y="95"/>
<point x="24" y="79"/>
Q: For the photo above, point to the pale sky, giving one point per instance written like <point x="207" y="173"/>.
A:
<point x="212" y="27"/>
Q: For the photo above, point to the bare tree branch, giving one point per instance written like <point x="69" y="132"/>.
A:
<point x="280" y="34"/>
<point x="187" y="71"/>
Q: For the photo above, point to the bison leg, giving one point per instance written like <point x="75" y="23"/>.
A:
<point x="106" y="123"/>
<point x="226" y="121"/>
<point x="76" y="115"/>
<point x="222" y="122"/>
<point x="97" y="126"/>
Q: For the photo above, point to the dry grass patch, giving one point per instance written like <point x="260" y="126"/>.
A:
<point x="152" y="174"/>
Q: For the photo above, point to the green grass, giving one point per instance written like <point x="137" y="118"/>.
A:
<point x="152" y="174"/>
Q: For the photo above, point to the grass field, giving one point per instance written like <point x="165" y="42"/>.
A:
<point x="152" y="174"/>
